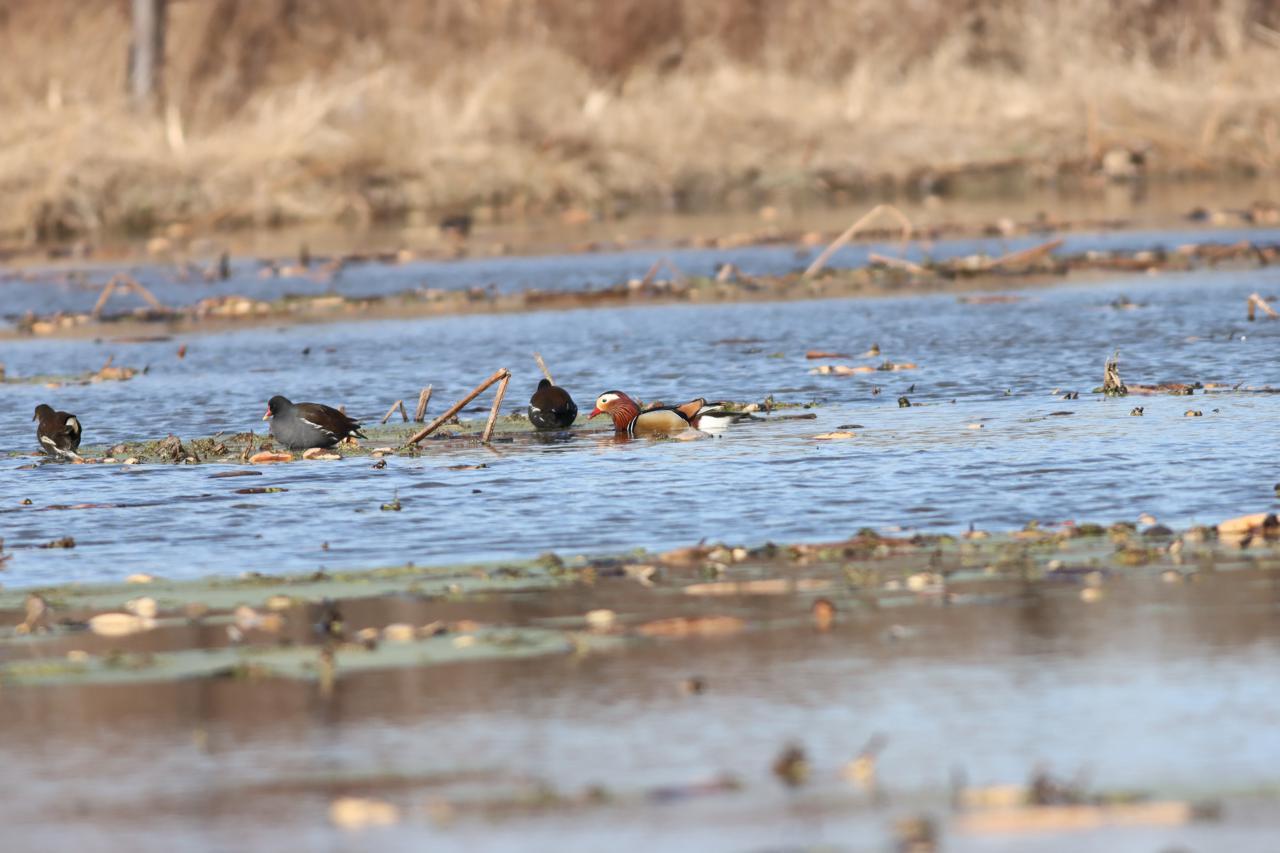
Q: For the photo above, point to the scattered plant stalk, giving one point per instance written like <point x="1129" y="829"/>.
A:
<point x="501" y="373"/>
<point x="493" y="413"/>
<point x="838" y="243"/>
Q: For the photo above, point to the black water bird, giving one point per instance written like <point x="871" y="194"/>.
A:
<point x="58" y="432"/>
<point x="299" y="426"/>
<point x="551" y="407"/>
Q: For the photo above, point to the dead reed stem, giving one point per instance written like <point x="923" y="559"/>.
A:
<point x="1256" y="300"/>
<point x="398" y="404"/>
<point x="838" y="243"/>
<point x="897" y="263"/>
<point x="542" y="365"/>
<point x="501" y="373"/>
<point x="1024" y="256"/>
<point x="123" y="282"/>
<point x="420" y="413"/>
<point x="493" y="413"/>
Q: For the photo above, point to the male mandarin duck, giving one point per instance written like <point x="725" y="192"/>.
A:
<point x="551" y="407"/>
<point x="628" y="418"/>
<point x="300" y="426"/>
<point x="58" y="432"/>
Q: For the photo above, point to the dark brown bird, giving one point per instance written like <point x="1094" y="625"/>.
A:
<point x="58" y="432"/>
<point x="551" y="407"/>
<point x="299" y="426"/>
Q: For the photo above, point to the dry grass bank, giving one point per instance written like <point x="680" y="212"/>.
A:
<point x="288" y="111"/>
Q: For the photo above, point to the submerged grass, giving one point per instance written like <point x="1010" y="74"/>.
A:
<point x="284" y="112"/>
<point x="703" y="591"/>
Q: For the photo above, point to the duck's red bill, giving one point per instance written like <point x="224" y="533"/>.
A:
<point x="594" y="412"/>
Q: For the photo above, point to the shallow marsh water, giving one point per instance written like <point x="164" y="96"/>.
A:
<point x="549" y="272"/>
<point x="993" y="365"/>
<point x="1159" y="687"/>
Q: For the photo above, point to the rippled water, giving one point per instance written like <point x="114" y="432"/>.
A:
<point x="922" y="467"/>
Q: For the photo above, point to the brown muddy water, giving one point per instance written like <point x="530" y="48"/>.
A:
<point x="1154" y="686"/>
<point x="1157" y="689"/>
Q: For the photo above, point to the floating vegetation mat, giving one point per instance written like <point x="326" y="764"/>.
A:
<point x="882" y="275"/>
<point x="323" y="625"/>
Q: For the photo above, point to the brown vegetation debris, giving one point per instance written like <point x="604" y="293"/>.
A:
<point x="692" y="626"/>
<point x="267" y="457"/>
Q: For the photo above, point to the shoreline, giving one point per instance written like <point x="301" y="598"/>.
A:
<point x="883" y="276"/>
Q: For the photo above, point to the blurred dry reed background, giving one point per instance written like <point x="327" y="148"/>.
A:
<point x="294" y="111"/>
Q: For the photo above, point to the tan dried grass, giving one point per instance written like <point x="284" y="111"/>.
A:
<point x="352" y="112"/>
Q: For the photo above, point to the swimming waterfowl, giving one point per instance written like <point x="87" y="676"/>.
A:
<point x="58" y="432"/>
<point x="628" y="417"/>
<point x="551" y="407"/>
<point x="300" y="426"/>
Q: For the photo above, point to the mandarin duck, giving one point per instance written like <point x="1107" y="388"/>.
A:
<point x="551" y="407"/>
<point x="58" y="432"/>
<point x="299" y="426"/>
<point x="630" y="419"/>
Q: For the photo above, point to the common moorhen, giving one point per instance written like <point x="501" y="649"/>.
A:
<point x="551" y="407"/>
<point x="299" y="426"/>
<point x="58" y="432"/>
<point x="628" y="417"/>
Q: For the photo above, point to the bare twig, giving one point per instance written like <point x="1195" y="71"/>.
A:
<point x="542" y="365"/>
<point x="1256" y="301"/>
<point x="651" y="274"/>
<point x="103" y="297"/>
<point x="122" y="281"/>
<point x="898" y="263"/>
<point x="1024" y="256"/>
<point x="398" y="404"/>
<point x="457" y="407"/>
<point x="420" y="413"/>
<point x="838" y="243"/>
<point x="493" y="413"/>
<point x="676" y="274"/>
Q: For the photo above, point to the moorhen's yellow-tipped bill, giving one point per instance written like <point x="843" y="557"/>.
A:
<point x="300" y="426"/>
<point x="57" y="432"/>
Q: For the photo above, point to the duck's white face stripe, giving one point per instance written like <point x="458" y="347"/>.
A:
<point x="604" y="400"/>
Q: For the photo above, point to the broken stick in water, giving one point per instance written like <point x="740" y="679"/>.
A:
<point x="1256" y="300"/>
<point x="838" y="243"/>
<point x="542" y="365"/>
<point x="124" y="282"/>
<point x="1024" y="256"/>
<point x="398" y="404"/>
<point x="501" y="373"/>
<point x="897" y="263"/>
<point x="1112" y="385"/>
<point x="420" y="413"/>
<point x="493" y="413"/>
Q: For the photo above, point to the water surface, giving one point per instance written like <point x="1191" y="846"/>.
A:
<point x="991" y="365"/>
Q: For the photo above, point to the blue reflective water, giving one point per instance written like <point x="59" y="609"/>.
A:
<point x="45" y="292"/>
<point x="922" y="467"/>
